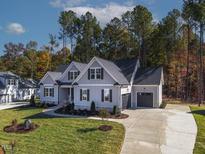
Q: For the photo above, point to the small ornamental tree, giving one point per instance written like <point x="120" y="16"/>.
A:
<point x="32" y="101"/>
<point x="103" y="114"/>
<point x="92" y="107"/>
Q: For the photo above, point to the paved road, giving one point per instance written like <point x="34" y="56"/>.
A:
<point x="159" y="131"/>
<point x="12" y="105"/>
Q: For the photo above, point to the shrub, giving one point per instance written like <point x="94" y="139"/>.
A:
<point x="32" y="101"/>
<point x="103" y="113"/>
<point x="92" y="107"/>
<point x="72" y="106"/>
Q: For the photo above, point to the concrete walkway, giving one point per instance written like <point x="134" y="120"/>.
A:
<point x="155" y="131"/>
<point x="4" y="106"/>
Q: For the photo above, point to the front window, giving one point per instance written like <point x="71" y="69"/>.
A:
<point x="73" y="75"/>
<point x="84" y="94"/>
<point x="107" y="95"/>
<point x="95" y="73"/>
<point x="49" y="92"/>
<point x="11" y="82"/>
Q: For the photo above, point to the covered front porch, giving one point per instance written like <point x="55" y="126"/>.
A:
<point x="66" y="94"/>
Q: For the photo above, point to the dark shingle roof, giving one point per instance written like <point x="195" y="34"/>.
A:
<point x="27" y="83"/>
<point x="61" y="68"/>
<point x="114" y="70"/>
<point x="148" y="76"/>
<point x="127" y="67"/>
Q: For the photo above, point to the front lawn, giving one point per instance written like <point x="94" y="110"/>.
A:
<point x="199" y="115"/>
<point x="61" y="135"/>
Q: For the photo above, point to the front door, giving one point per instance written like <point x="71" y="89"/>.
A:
<point x="71" y="94"/>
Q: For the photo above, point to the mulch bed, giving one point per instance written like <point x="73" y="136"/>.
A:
<point x="19" y="128"/>
<point x="89" y="114"/>
<point x="105" y="128"/>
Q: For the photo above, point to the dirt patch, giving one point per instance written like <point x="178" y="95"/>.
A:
<point x="105" y="128"/>
<point x="19" y="128"/>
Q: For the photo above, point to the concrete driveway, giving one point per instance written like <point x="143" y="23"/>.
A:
<point x="12" y="105"/>
<point x="159" y="131"/>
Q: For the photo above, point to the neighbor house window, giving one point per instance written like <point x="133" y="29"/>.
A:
<point x="72" y="75"/>
<point x="95" y="73"/>
<point x="84" y="94"/>
<point x="11" y="82"/>
<point x="106" y="95"/>
<point x="49" y="92"/>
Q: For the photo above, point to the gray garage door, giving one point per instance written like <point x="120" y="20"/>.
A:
<point x="144" y="99"/>
<point x="126" y="101"/>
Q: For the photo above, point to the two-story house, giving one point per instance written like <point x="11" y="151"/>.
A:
<point x="120" y="83"/>
<point x="13" y="88"/>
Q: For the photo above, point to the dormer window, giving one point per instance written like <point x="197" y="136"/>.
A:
<point x="95" y="73"/>
<point x="72" y="75"/>
<point x="11" y="82"/>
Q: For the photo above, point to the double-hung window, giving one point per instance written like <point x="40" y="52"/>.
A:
<point x="11" y="82"/>
<point x="95" y="73"/>
<point x="84" y="94"/>
<point x="72" y="75"/>
<point x="106" y="95"/>
<point x="49" y="92"/>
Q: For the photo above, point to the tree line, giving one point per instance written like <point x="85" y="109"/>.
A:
<point x="175" y="42"/>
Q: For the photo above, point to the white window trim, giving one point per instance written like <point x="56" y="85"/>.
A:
<point x="85" y="89"/>
<point x="73" y="74"/>
<point x="49" y="93"/>
<point x="107" y="101"/>
<point x="95" y="68"/>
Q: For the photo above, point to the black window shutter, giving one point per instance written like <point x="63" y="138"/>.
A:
<point x="102" y="95"/>
<point x="110" y="95"/>
<point x="88" y="95"/>
<point x="88" y="74"/>
<point x="78" y="72"/>
<point x="72" y="93"/>
<point x="80" y="94"/>
<point x="68" y="75"/>
<point x="44" y="89"/>
<point x="102" y="73"/>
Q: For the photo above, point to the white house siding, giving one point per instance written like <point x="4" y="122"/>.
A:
<point x="49" y="99"/>
<point x="95" y="95"/>
<point x="65" y="78"/>
<point x="107" y="79"/>
<point x="155" y="89"/>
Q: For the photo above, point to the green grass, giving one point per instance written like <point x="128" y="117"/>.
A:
<point x="199" y="115"/>
<point x="61" y="135"/>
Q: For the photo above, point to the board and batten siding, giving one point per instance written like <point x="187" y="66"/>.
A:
<point x="65" y="78"/>
<point x="95" y="95"/>
<point x="107" y="79"/>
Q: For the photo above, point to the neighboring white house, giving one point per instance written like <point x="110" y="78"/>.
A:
<point x="120" y="83"/>
<point x="13" y="88"/>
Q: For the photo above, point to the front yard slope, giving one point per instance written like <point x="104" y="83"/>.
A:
<point x="61" y="135"/>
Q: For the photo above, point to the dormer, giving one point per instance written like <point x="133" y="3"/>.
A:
<point x="72" y="72"/>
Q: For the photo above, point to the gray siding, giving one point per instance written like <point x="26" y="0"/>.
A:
<point x="107" y="79"/>
<point x="48" y="80"/>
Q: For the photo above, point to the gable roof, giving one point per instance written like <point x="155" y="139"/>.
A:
<point x="53" y="75"/>
<point x="113" y="70"/>
<point x="80" y="66"/>
<point x="149" y="76"/>
<point x="61" y="68"/>
<point x="127" y="67"/>
<point x="8" y="74"/>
